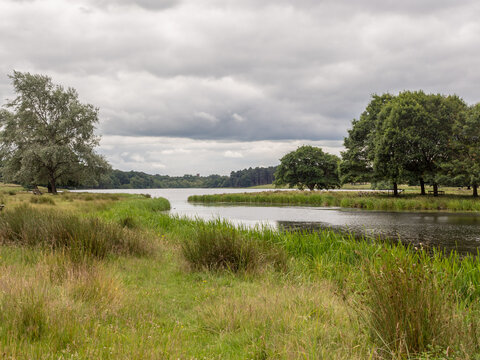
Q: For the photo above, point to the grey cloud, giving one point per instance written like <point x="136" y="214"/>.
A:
<point x="154" y="5"/>
<point x="179" y="156"/>
<point x="290" y="69"/>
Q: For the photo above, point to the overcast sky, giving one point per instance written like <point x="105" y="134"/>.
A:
<point x="211" y="86"/>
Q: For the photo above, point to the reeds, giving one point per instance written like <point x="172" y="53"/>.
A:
<point x="360" y="200"/>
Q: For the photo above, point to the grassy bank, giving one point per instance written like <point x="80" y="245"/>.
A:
<point x="207" y="290"/>
<point x="361" y="200"/>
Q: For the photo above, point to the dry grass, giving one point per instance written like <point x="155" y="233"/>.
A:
<point x="286" y="321"/>
<point x="48" y="302"/>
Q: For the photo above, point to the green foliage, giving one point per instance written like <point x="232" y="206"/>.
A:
<point x="413" y="137"/>
<point x="118" y="179"/>
<point x="464" y="167"/>
<point x="309" y="167"/>
<point x="47" y="135"/>
<point x="357" y="159"/>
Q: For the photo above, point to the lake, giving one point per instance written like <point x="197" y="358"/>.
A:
<point x="447" y="230"/>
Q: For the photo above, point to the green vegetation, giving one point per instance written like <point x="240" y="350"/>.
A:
<point x="414" y="138"/>
<point x="118" y="179"/>
<point x="47" y="135"/>
<point x="308" y="167"/>
<point x="113" y="276"/>
<point x="361" y="200"/>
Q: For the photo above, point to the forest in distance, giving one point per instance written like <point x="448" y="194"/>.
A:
<point x="117" y="179"/>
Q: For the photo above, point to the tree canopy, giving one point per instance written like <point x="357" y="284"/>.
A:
<point x="47" y="135"/>
<point x="309" y="167"/>
<point x="414" y="137"/>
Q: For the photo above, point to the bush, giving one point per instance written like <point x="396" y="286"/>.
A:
<point x="215" y="246"/>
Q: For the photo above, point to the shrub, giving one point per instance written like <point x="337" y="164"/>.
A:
<point x="215" y="246"/>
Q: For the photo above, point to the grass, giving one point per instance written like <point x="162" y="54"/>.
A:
<point x="210" y="290"/>
<point x="80" y="238"/>
<point x="360" y="200"/>
<point x="218" y="246"/>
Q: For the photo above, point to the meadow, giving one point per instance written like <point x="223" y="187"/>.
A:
<point x="116" y="277"/>
<point x="408" y="201"/>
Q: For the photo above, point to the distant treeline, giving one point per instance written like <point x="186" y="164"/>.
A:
<point x="118" y="179"/>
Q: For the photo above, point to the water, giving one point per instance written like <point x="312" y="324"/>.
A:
<point x="447" y="230"/>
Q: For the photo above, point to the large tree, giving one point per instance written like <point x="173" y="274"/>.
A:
<point x="309" y="167"/>
<point x="47" y="136"/>
<point x="464" y="165"/>
<point x="358" y="158"/>
<point x="416" y="136"/>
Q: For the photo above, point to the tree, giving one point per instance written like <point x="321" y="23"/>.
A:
<point x="464" y="165"/>
<point x="309" y="167"/>
<point x="47" y="135"/>
<point x="357" y="160"/>
<point x="389" y="149"/>
<point x="419" y="130"/>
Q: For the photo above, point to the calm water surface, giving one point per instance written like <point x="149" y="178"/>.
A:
<point x="447" y="230"/>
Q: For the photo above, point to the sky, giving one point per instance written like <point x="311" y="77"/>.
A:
<point x="213" y="86"/>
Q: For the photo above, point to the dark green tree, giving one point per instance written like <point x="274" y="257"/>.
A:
<point x="47" y="135"/>
<point x="358" y="158"/>
<point x="389" y="149"/>
<point x="464" y="165"/>
<point x="422" y="126"/>
<point x="309" y="167"/>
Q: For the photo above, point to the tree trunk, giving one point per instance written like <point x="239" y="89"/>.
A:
<point x="435" y="189"/>
<point x="53" y="186"/>
<point x="311" y="187"/>
<point x="422" y="187"/>
<point x="395" y="189"/>
<point x="475" y="190"/>
<point x="49" y="188"/>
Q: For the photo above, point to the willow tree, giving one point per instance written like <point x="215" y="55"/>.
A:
<point x="47" y="136"/>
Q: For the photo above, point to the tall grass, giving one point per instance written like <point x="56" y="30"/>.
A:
<point x="42" y="200"/>
<point x="410" y="309"/>
<point x="218" y="246"/>
<point x="361" y="200"/>
<point x="81" y="238"/>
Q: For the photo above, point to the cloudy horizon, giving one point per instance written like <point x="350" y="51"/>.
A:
<point x="212" y="86"/>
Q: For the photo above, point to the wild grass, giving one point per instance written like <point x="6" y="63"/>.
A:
<point x="409" y="308"/>
<point x="81" y="238"/>
<point x="360" y="200"/>
<point x="48" y="200"/>
<point x="49" y="304"/>
<point x="218" y="246"/>
<point x="246" y="293"/>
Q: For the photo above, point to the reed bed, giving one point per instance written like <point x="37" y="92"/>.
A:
<point x="360" y="200"/>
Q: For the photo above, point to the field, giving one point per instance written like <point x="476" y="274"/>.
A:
<point x="102" y="276"/>
<point x="408" y="201"/>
